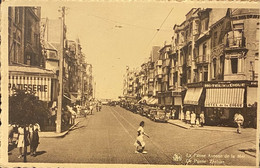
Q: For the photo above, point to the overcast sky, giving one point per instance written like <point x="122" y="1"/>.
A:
<point x="116" y="35"/>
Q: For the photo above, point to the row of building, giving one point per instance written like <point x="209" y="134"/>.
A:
<point x="36" y="46"/>
<point x="211" y="65"/>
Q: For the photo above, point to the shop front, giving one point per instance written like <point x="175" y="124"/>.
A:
<point x="40" y="82"/>
<point x="224" y="99"/>
<point x="193" y="100"/>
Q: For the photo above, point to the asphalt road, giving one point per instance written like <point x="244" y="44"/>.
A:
<point x="108" y="137"/>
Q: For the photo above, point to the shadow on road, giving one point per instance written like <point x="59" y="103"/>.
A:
<point x="40" y="152"/>
<point x="75" y="128"/>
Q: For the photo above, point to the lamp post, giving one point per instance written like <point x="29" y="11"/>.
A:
<point x="60" y="95"/>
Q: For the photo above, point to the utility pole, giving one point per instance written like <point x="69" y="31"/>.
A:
<point x="60" y="94"/>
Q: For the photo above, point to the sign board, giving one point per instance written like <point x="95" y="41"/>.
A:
<point x="40" y="86"/>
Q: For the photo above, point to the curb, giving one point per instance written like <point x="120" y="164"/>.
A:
<point x="57" y="135"/>
<point x="178" y="125"/>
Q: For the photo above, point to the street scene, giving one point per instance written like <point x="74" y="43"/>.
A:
<point x="108" y="136"/>
<point x="136" y="84"/>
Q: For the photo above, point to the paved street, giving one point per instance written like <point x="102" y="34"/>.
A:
<point x="108" y="137"/>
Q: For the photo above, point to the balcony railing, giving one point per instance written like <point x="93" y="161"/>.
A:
<point x="202" y="59"/>
<point x="236" y="42"/>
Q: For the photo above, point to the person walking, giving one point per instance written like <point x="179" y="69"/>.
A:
<point x="192" y="119"/>
<point x="187" y="117"/>
<point x="202" y="119"/>
<point x="22" y="141"/>
<point x="139" y="143"/>
<point x="34" y="140"/>
<point x="239" y="119"/>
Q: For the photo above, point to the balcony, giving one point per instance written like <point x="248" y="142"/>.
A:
<point x="235" y="43"/>
<point x="201" y="59"/>
<point x="166" y="62"/>
<point x="159" y="63"/>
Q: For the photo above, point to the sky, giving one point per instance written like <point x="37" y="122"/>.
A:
<point x="116" y="35"/>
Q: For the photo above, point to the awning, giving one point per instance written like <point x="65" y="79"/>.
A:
<point x="251" y="96"/>
<point x="73" y="98"/>
<point x="153" y="101"/>
<point x="149" y="100"/>
<point x="225" y="97"/>
<point x="144" y="98"/>
<point x="192" y="96"/>
<point x="67" y="97"/>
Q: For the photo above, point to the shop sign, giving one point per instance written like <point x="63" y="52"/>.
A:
<point x="223" y="105"/>
<point x="30" y="88"/>
<point x="39" y="86"/>
<point x="227" y="85"/>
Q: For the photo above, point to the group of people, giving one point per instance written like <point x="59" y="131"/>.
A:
<point x="193" y="119"/>
<point x="27" y="136"/>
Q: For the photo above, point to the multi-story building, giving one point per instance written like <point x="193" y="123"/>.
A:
<point x="225" y="78"/>
<point x="26" y="61"/>
<point x="211" y="66"/>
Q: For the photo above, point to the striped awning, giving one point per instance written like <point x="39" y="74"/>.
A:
<point x="192" y="96"/>
<point x="225" y="97"/>
<point x="153" y="101"/>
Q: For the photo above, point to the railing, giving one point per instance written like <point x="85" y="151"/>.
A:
<point x="202" y="59"/>
<point x="236" y="42"/>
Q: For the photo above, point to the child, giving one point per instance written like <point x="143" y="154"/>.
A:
<point x="139" y="143"/>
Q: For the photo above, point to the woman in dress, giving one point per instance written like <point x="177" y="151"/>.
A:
<point x="21" y="143"/>
<point x="192" y="118"/>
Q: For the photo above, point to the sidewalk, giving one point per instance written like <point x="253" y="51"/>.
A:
<point x="181" y="124"/>
<point x="56" y="135"/>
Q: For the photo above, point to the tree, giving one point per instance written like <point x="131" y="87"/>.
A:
<point x="24" y="109"/>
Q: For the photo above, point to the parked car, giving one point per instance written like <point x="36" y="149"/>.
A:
<point x="146" y="110"/>
<point x="159" y="115"/>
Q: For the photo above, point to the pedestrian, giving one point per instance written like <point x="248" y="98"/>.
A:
<point x="34" y="140"/>
<point x="22" y="141"/>
<point x="239" y="119"/>
<point x="202" y="119"/>
<point x="139" y="143"/>
<point x="91" y="108"/>
<point x="192" y="118"/>
<point x="187" y="117"/>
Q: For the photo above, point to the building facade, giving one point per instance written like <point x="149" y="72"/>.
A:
<point x="211" y="65"/>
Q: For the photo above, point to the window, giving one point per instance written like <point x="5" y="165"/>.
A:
<point x="205" y="76"/>
<point x="215" y="39"/>
<point x="204" y="51"/>
<point x="207" y="24"/>
<point x="28" y="59"/>
<point x="214" y="67"/>
<point x="234" y="62"/>
<point x="29" y="31"/>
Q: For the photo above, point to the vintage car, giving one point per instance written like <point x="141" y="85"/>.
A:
<point x="146" y="110"/>
<point x="159" y="115"/>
